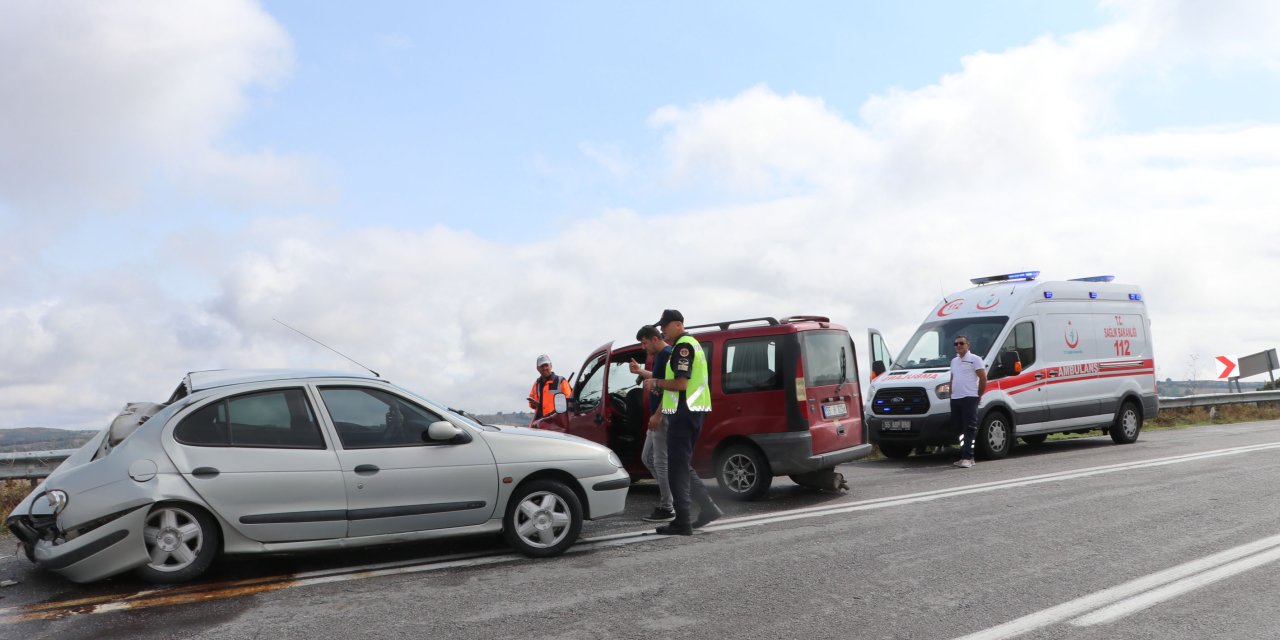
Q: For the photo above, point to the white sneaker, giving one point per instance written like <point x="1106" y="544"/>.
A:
<point x="964" y="463"/>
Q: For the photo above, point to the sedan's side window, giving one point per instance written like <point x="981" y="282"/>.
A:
<point x="369" y="418"/>
<point x="281" y="418"/>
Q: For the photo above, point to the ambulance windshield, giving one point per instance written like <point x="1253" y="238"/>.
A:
<point x="933" y="344"/>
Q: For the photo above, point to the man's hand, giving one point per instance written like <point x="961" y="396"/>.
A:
<point x="635" y="368"/>
<point x="655" y="420"/>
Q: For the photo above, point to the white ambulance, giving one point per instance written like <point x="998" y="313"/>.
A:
<point x="1061" y="357"/>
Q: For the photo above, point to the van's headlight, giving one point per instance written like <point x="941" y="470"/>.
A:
<point x="943" y="390"/>
<point x="57" y="500"/>
<point x="613" y="457"/>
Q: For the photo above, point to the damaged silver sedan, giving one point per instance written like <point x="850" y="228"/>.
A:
<point x="242" y="462"/>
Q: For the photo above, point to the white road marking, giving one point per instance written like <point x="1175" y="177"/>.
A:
<point x="194" y="593"/>
<point x="1175" y="589"/>
<point x="1104" y="598"/>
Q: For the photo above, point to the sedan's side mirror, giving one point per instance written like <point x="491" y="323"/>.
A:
<point x="442" y="431"/>
<point x="561" y="403"/>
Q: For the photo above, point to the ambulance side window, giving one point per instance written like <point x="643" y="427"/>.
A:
<point x="1018" y="352"/>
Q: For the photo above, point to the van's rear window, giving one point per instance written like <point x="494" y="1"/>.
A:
<point x="824" y="352"/>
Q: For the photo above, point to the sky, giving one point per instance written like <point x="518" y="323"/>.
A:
<point x="443" y="191"/>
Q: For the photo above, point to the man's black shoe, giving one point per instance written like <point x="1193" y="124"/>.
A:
<point x="674" y="529"/>
<point x="707" y="515"/>
<point x="660" y="515"/>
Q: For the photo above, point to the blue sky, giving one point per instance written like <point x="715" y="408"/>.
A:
<point x="446" y="190"/>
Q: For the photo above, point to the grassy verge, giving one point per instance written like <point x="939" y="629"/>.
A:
<point x="11" y="493"/>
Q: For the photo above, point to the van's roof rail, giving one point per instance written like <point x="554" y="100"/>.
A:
<point x="1005" y="277"/>
<point x="724" y="326"/>
<point x="1094" y="279"/>
<point x="791" y="319"/>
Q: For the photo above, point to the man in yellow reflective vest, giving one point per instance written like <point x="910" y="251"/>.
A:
<point x="686" y="400"/>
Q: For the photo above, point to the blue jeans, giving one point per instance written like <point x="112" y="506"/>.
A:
<point x="964" y="420"/>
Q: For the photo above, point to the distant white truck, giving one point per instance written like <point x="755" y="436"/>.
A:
<point x="1061" y="357"/>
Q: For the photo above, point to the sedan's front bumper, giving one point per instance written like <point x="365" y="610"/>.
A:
<point x="606" y="495"/>
<point x="112" y="548"/>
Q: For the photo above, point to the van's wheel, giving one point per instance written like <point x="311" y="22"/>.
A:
<point x="543" y="518"/>
<point x="1128" y="424"/>
<point x="182" y="541"/>
<point x="1036" y="439"/>
<point x="743" y="473"/>
<point x="995" y="436"/>
<point x="895" y="450"/>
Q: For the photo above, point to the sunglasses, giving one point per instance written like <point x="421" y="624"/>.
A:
<point x="960" y="343"/>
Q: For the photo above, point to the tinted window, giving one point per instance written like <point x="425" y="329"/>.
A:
<point x="751" y="364"/>
<point x="1020" y="348"/>
<point x="279" y="418"/>
<point x="370" y="418"/>
<point x="828" y="357"/>
<point x="591" y="385"/>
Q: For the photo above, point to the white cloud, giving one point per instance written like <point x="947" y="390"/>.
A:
<point x="1013" y="162"/>
<point x="103" y="98"/>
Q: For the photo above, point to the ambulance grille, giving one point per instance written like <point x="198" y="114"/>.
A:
<point x="907" y="401"/>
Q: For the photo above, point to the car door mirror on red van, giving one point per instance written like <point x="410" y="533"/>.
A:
<point x="561" y="403"/>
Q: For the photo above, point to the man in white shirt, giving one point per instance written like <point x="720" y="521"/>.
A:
<point x="968" y="382"/>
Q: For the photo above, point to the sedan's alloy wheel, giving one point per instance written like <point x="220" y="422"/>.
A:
<point x="173" y="537"/>
<point x="543" y="519"/>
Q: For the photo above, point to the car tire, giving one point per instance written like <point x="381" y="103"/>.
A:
<point x="743" y="473"/>
<point x="895" y="450"/>
<point x="543" y="518"/>
<point x="995" y="436"/>
<point x="182" y="541"/>
<point x="1128" y="424"/>
<point x="1036" y="439"/>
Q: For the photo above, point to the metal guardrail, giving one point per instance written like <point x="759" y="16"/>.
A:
<point x="31" y="465"/>
<point x="1219" y="399"/>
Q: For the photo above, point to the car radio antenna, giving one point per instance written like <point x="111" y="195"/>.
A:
<point x="375" y="373"/>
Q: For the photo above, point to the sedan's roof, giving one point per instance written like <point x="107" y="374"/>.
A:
<point x="200" y="380"/>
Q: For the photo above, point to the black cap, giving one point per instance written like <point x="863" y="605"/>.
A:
<point x="668" y="316"/>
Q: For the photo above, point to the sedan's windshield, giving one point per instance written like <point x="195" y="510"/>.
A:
<point x="932" y="346"/>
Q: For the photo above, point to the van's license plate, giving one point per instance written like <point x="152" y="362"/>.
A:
<point x="897" y="425"/>
<point x="838" y="410"/>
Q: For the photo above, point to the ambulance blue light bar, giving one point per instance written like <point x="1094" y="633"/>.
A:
<point x="1094" y="279"/>
<point x="1006" y="277"/>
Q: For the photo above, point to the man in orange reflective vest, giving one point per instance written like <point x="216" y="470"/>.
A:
<point x="542" y="396"/>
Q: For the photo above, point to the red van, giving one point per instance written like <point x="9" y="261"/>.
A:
<point x="785" y="401"/>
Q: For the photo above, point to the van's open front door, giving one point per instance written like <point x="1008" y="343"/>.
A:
<point x="881" y="359"/>
<point x="590" y="411"/>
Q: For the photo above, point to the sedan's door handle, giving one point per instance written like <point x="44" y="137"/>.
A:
<point x="366" y="469"/>
<point x="205" y="472"/>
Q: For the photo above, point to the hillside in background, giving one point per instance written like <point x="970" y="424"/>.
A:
<point x="40" y="439"/>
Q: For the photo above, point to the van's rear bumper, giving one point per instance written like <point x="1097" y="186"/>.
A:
<point x="930" y="430"/>
<point x="792" y="453"/>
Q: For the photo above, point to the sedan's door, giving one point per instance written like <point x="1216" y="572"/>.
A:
<point x="260" y="461"/>
<point x="396" y="480"/>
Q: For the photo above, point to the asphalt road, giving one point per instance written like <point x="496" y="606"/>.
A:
<point x="1176" y="536"/>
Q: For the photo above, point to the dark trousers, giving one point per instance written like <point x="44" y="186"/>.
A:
<point x="964" y="420"/>
<point x="683" y="429"/>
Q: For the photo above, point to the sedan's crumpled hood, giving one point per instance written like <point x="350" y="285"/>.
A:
<point x="540" y="433"/>
<point x="522" y="444"/>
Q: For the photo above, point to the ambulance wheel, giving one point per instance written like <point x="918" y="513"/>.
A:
<point x="1128" y="424"/>
<point x="995" y="436"/>
<point x="1036" y="439"/>
<point x="895" y="450"/>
